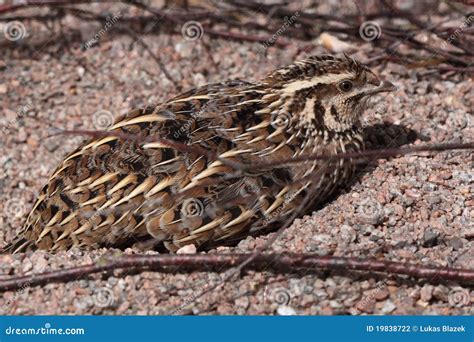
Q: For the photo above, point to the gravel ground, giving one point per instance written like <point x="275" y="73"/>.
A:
<point x="418" y="208"/>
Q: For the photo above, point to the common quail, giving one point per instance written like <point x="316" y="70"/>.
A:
<point x="138" y="182"/>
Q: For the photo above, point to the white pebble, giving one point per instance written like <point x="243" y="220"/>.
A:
<point x="285" y="310"/>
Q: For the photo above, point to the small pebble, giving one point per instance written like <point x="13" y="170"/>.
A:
<point x="284" y="310"/>
<point x="441" y="292"/>
<point x="242" y="302"/>
<point x="456" y="243"/>
<point x="426" y="293"/>
<point x="430" y="238"/>
<point x="388" y="307"/>
<point x="188" y="249"/>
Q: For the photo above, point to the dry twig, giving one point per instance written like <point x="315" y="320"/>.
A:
<point x="278" y="263"/>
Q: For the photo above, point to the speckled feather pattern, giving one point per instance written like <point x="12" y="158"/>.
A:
<point x="115" y="191"/>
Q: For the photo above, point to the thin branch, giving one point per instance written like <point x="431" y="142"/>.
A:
<point x="383" y="153"/>
<point x="238" y="15"/>
<point x="369" y="154"/>
<point x="157" y="59"/>
<point x="277" y="263"/>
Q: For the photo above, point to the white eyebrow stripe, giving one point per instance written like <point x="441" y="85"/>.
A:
<point x="329" y="78"/>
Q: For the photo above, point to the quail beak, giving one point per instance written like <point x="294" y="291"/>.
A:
<point x="383" y="87"/>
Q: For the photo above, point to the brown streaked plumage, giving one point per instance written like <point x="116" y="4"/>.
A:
<point x="115" y="191"/>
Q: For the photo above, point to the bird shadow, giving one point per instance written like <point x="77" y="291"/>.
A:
<point x="379" y="136"/>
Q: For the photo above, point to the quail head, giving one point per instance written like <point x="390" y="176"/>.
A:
<point x="171" y="174"/>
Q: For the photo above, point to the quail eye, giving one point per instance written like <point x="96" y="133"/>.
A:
<point x="345" y="85"/>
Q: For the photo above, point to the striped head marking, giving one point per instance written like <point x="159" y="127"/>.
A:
<point x="324" y="93"/>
